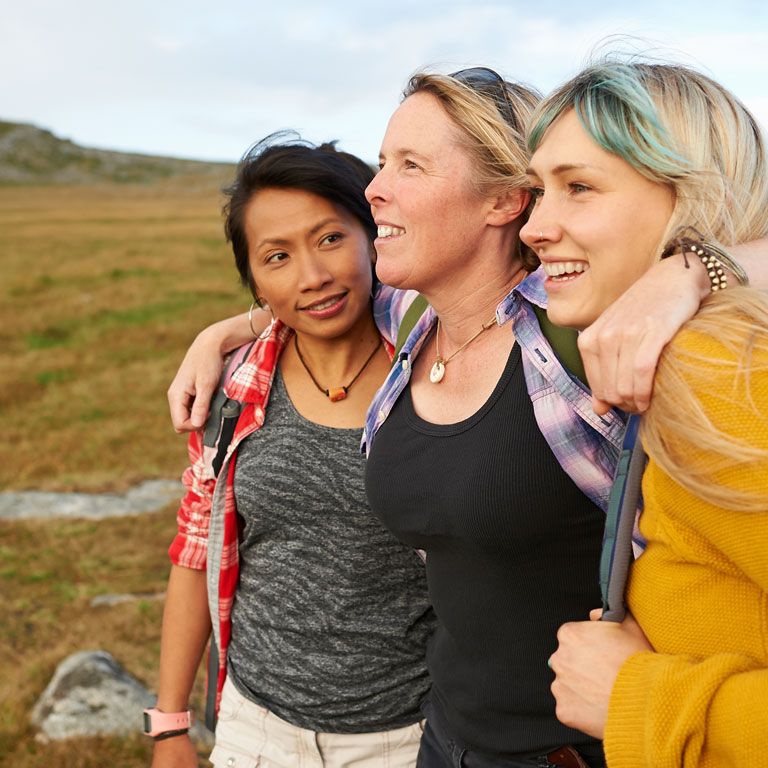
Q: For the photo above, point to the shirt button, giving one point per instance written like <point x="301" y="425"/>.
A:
<point x="382" y="415"/>
<point x="231" y="762"/>
<point x="404" y="365"/>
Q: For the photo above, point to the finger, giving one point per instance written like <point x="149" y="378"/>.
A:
<point x="200" y="409"/>
<point x="595" y="614"/>
<point x="180" y="411"/>
<point x="599" y="349"/>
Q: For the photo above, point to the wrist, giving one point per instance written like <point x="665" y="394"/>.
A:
<point x="694" y="271"/>
<point x="162" y="725"/>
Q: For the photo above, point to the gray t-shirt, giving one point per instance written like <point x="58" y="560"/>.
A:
<point x="331" y="616"/>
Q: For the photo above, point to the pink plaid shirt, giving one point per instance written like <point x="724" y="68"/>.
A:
<point x="208" y="523"/>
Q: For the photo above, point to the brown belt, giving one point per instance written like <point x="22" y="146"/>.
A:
<point x="567" y="757"/>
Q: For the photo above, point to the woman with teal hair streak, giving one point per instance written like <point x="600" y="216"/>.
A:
<point x="632" y="163"/>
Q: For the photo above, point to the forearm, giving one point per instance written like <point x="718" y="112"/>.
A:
<point x="186" y="627"/>
<point x="753" y="257"/>
<point x="230" y="333"/>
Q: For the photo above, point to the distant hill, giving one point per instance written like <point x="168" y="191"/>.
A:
<point x="32" y="155"/>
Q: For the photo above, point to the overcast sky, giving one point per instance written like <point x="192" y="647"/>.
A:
<point x="205" y="79"/>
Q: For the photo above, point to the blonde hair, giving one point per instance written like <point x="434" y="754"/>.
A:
<point x="678" y="127"/>
<point x="496" y="148"/>
<point x="678" y="430"/>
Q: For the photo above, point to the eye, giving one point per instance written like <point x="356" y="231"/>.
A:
<point x="576" y="186"/>
<point x="409" y="164"/>
<point x="331" y="239"/>
<point x="275" y="258"/>
<point x="536" y="193"/>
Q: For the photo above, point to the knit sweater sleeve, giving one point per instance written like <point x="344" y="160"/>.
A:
<point x="674" y="711"/>
<point x="702" y="597"/>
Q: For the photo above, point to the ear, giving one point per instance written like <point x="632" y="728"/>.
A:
<point x="507" y="206"/>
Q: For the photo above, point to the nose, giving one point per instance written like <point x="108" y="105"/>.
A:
<point x="376" y="192"/>
<point x="535" y="231"/>
<point x="314" y="273"/>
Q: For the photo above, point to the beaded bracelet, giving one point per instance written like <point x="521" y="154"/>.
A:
<point x="714" y="259"/>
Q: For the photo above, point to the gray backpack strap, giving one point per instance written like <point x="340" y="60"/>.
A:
<point x="212" y="684"/>
<point x="224" y="412"/>
<point x="219" y="431"/>
<point x="616" y="556"/>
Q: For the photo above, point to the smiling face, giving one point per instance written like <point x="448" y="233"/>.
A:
<point x="430" y="218"/>
<point x="310" y="261"/>
<point x="597" y="224"/>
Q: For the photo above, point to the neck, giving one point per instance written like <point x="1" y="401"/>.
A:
<point x="339" y="358"/>
<point x="462" y="308"/>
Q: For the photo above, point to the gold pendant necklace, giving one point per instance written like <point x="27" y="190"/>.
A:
<point x="438" y="368"/>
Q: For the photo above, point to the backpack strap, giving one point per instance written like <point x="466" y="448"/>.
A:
<point x="616" y="556"/>
<point x="224" y="413"/>
<point x="219" y="431"/>
<point x="410" y="318"/>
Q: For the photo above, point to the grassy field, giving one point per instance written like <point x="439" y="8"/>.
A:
<point x="102" y="290"/>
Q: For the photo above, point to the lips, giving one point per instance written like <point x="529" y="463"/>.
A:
<point x="389" y="230"/>
<point x="561" y="271"/>
<point x="327" y="306"/>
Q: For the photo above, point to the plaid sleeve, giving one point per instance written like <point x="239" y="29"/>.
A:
<point x="190" y="545"/>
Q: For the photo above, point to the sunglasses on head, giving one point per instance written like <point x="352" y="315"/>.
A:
<point x="489" y="83"/>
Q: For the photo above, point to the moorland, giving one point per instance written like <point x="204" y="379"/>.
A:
<point x="109" y="268"/>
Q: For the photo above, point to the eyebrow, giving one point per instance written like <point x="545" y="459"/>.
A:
<point x="313" y="231"/>
<point x="559" y="169"/>
<point x="404" y="152"/>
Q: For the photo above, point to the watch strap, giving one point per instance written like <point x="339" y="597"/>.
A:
<point x="157" y="723"/>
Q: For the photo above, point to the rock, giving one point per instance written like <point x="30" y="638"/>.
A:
<point x="90" y="694"/>
<point x="146" y="497"/>
<point x="110" y="600"/>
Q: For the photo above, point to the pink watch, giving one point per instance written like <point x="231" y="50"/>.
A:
<point x="163" y="725"/>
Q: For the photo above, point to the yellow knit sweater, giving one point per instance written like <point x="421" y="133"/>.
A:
<point x="700" y="593"/>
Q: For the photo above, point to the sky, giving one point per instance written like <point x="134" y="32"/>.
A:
<point x="206" y="79"/>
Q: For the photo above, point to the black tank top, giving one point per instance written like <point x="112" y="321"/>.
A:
<point x="512" y="552"/>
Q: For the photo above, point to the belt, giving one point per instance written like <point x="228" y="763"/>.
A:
<point x="567" y="757"/>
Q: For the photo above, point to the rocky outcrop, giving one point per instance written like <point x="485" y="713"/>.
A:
<point x="29" y="154"/>
<point x="147" y="497"/>
<point x="90" y="694"/>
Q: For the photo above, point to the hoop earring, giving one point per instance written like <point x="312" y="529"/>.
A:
<point x="265" y="333"/>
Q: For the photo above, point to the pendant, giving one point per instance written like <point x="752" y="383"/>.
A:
<point x="437" y="372"/>
<point x="337" y="393"/>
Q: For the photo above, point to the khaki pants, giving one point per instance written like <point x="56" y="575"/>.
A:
<point x="249" y="736"/>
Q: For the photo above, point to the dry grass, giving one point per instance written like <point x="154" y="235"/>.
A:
<point x="50" y="570"/>
<point x="102" y="290"/>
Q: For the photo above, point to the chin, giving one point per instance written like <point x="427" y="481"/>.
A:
<point x="565" y="317"/>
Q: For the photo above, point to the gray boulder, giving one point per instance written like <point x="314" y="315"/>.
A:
<point x="90" y="694"/>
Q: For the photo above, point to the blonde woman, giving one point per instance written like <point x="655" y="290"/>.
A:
<point x="632" y="161"/>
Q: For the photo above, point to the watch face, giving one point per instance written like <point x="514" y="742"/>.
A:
<point x="147" y="722"/>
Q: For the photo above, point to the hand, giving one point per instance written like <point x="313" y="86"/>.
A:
<point x="175" y="752"/>
<point x="189" y="395"/>
<point x="587" y="660"/>
<point x="195" y="383"/>
<point x="621" y="349"/>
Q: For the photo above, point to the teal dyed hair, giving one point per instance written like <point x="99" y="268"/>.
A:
<point x="614" y="103"/>
<point x="677" y="127"/>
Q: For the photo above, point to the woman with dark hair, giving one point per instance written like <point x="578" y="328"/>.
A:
<point x="321" y="616"/>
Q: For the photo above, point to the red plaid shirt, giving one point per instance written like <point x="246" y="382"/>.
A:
<point x="208" y="522"/>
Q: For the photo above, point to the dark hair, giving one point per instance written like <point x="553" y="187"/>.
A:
<point x="284" y="160"/>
